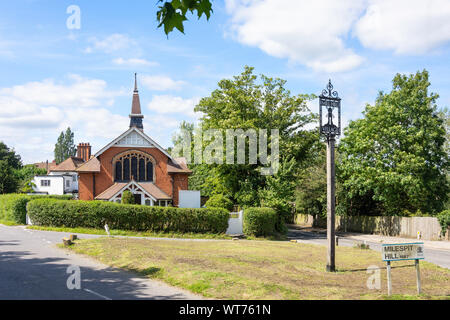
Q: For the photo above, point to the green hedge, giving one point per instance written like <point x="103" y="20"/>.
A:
<point x="260" y="221"/>
<point x="219" y="201"/>
<point x="444" y="220"/>
<point x="13" y="206"/>
<point x="94" y="214"/>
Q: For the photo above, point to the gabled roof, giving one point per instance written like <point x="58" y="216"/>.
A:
<point x="140" y="133"/>
<point x="148" y="187"/>
<point x="92" y="165"/>
<point x="49" y="166"/>
<point x="70" y="164"/>
<point x="178" y="165"/>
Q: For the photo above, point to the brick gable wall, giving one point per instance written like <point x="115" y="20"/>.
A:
<point x="104" y="179"/>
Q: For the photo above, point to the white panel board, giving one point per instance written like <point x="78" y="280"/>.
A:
<point x="189" y="199"/>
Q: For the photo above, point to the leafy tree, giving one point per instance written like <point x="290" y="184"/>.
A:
<point x="311" y="192"/>
<point x="172" y="14"/>
<point x="9" y="155"/>
<point x="26" y="174"/>
<point x="445" y="115"/>
<point x="65" y="147"/>
<point x="393" y="160"/>
<point x="9" y="162"/>
<point x="8" y="180"/>
<point x="251" y="102"/>
<point x="219" y="201"/>
<point x="279" y="193"/>
<point x="127" y="197"/>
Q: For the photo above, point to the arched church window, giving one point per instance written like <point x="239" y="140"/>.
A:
<point x="126" y="169"/>
<point x="149" y="171"/>
<point x="142" y="170"/>
<point x="118" y="171"/>
<point x="134" y="168"/>
<point x="135" y="165"/>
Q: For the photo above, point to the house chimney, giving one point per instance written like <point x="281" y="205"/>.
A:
<point x="84" y="151"/>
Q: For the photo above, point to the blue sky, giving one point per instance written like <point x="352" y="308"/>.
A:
<point x="54" y="77"/>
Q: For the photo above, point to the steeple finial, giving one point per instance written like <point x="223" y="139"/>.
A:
<point x="135" y="83"/>
<point x="136" y="115"/>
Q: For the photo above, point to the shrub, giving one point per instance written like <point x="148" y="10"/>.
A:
<point x="13" y="206"/>
<point x="260" y="221"/>
<point x="444" y="220"/>
<point x="127" y="197"/>
<point x="94" y="214"/>
<point x="219" y="201"/>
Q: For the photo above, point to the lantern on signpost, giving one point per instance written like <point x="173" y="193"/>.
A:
<point x="330" y="107"/>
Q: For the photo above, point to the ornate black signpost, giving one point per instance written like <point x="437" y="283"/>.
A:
<point x="330" y="104"/>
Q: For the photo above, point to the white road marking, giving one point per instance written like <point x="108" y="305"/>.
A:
<point x="97" y="294"/>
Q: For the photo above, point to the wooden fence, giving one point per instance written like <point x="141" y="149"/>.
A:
<point x="407" y="227"/>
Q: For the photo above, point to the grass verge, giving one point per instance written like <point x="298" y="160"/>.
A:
<point x="264" y="269"/>
<point x="134" y="233"/>
<point x="9" y="223"/>
<point x="173" y="235"/>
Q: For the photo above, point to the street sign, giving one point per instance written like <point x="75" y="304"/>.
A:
<point x="403" y="251"/>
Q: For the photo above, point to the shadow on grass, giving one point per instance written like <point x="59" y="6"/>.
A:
<point x="365" y="270"/>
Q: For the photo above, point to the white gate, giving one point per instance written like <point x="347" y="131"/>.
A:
<point x="235" y="223"/>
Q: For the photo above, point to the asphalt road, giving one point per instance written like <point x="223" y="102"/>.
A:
<point x="32" y="268"/>
<point x="439" y="257"/>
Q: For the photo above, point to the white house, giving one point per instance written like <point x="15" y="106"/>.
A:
<point x="63" y="178"/>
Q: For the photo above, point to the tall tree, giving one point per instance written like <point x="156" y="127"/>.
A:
<point x="9" y="161"/>
<point x="9" y="155"/>
<point x="65" y="147"/>
<point x="393" y="160"/>
<point x="251" y="102"/>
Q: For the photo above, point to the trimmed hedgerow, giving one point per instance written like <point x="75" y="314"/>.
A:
<point x="444" y="220"/>
<point x="260" y="221"/>
<point x="13" y="206"/>
<point x="219" y="201"/>
<point x="95" y="214"/>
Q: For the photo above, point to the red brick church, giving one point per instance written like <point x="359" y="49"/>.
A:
<point x="135" y="162"/>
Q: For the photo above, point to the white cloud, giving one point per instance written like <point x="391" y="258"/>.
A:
<point x="405" y="26"/>
<point x="166" y="104"/>
<point x="308" y="32"/>
<point x="135" y="62"/>
<point x="111" y="43"/>
<point x="81" y="92"/>
<point x="160" y="83"/>
<point x="33" y="114"/>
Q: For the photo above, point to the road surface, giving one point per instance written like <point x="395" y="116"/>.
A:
<point x="33" y="268"/>
<point x="439" y="257"/>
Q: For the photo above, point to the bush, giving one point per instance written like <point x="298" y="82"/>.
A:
<point x="13" y="206"/>
<point x="260" y="221"/>
<point x="444" y="220"/>
<point x="94" y="214"/>
<point x="219" y="201"/>
<point x="127" y="197"/>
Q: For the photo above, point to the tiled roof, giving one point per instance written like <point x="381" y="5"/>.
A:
<point x="111" y="191"/>
<point x="93" y="165"/>
<point x="43" y="165"/>
<point x="178" y="166"/>
<point x="154" y="191"/>
<point x="71" y="164"/>
<point x="148" y="187"/>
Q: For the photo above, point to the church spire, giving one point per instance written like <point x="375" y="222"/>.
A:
<point x="136" y="115"/>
